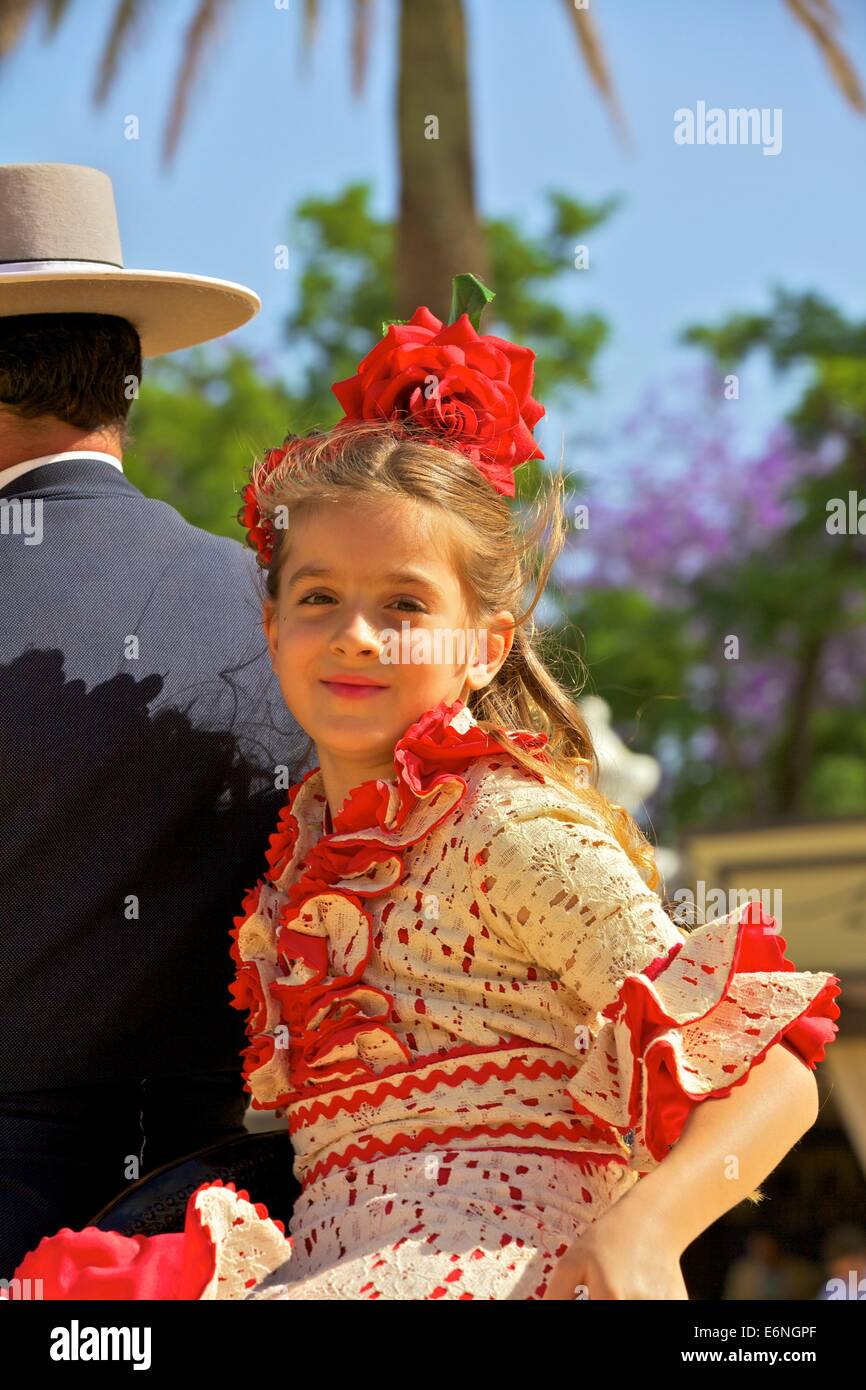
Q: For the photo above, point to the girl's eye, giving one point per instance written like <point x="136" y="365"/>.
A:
<point x="417" y="608"/>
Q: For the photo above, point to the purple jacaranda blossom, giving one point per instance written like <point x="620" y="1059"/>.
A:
<point x="843" y="669"/>
<point x="676" y="505"/>
<point x="681" y="499"/>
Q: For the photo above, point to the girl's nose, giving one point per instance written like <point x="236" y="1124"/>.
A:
<point x="357" y="636"/>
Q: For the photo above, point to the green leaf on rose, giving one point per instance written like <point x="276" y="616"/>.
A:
<point x="469" y="295"/>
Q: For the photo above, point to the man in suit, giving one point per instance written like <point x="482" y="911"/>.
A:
<point x="144" y="745"/>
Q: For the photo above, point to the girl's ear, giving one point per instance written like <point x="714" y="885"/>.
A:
<point x="270" y="626"/>
<point x="500" y="637"/>
<point x="498" y="641"/>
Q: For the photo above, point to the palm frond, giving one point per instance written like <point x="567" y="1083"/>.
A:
<point x="201" y="31"/>
<point x="362" y="16"/>
<point x="14" y="15"/>
<point x="311" y="24"/>
<point x="122" y="28"/>
<point x="56" y="13"/>
<point x="593" y="56"/>
<point x="819" y="17"/>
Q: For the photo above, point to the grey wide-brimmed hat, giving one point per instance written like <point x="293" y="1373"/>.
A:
<point x="60" y="253"/>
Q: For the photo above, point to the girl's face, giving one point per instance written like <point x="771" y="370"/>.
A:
<point x="352" y="575"/>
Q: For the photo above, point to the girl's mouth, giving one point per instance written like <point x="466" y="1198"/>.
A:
<point x="353" y="692"/>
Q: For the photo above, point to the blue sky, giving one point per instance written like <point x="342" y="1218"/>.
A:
<point x="703" y="231"/>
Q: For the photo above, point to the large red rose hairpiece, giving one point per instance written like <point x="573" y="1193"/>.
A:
<point x="463" y="389"/>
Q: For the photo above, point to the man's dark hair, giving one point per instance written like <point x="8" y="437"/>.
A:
<point x="82" y="368"/>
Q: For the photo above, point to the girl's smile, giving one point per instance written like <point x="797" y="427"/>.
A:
<point x="354" y="690"/>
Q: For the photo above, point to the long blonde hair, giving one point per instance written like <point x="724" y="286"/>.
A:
<point x="374" y="461"/>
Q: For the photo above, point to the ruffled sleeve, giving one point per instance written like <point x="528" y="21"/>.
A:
<point x="677" y="1017"/>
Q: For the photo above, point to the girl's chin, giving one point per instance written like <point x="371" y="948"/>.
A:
<point x="385" y="717"/>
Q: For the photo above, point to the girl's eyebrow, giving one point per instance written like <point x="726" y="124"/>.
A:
<point x="407" y="576"/>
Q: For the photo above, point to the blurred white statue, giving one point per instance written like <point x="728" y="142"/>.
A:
<point x="625" y="778"/>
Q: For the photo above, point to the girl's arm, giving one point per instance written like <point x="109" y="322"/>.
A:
<point x="678" y="1023"/>
<point x="727" y="1146"/>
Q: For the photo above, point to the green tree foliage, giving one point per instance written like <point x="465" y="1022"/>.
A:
<point x="805" y="597"/>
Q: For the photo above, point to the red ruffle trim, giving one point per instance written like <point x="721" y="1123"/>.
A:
<point x="96" y="1264"/>
<point x="330" y="1027"/>
<point x="655" y="1089"/>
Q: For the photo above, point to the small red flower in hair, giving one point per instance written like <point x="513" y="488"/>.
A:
<point x="259" y="529"/>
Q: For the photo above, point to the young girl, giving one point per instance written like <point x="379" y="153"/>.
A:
<point x="490" y="1041"/>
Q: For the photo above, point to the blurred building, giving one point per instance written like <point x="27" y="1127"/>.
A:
<point x="810" y="876"/>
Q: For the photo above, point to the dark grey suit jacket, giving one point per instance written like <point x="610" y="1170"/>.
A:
<point x="141" y="728"/>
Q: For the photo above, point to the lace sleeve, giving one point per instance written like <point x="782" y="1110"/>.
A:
<point x="572" y="898"/>
<point x="681" y="1017"/>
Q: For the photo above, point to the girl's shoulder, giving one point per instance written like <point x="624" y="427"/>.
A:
<point x="502" y="792"/>
<point x="515" y="818"/>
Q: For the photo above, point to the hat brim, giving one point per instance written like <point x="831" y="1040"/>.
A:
<point x="169" y="309"/>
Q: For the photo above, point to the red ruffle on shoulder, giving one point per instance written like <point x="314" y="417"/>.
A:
<point x="692" y="1025"/>
<point x="228" y="1244"/>
<point x="304" y="938"/>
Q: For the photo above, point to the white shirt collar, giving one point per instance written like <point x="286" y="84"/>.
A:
<point x="8" y="474"/>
